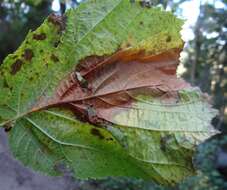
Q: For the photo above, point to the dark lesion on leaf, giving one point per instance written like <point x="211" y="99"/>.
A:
<point x="16" y="66"/>
<point x="109" y="139"/>
<point x="97" y="133"/>
<point x="54" y="58"/>
<point x="164" y="141"/>
<point x="41" y="36"/>
<point x="59" y="21"/>
<point x="168" y="39"/>
<point x="7" y="127"/>
<point x="28" y="54"/>
<point x="56" y="43"/>
<point x="31" y="78"/>
<point x="128" y="45"/>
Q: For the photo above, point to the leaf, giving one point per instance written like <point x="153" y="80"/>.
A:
<point x="96" y="91"/>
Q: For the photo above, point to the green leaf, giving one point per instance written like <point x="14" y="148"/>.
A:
<point x="34" y="149"/>
<point x="147" y="128"/>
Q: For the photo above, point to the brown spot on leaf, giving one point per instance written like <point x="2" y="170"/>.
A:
<point x="16" y="66"/>
<point x="31" y="78"/>
<point x="109" y="139"/>
<point x="58" y="21"/>
<point x="37" y="74"/>
<point x="141" y="22"/>
<point x="56" y="43"/>
<point x="168" y="39"/>
<point x="128" y="45"/>
<point x="7" y="127"/>
<point x="97" y="133"/>
<point x="54" y="58"/>
<point x="28" y="54"/>
<point x="41" y="36"/>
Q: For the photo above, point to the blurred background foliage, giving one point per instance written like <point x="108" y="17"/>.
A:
<point x="204" y="64"/>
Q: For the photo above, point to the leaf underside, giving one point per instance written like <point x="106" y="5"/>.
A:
<point x="96" y="91"/>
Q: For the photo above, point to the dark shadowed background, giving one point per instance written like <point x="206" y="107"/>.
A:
<point x="203" y="63"/>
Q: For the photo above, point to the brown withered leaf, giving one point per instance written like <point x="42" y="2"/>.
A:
<point x="101" y="86"/>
